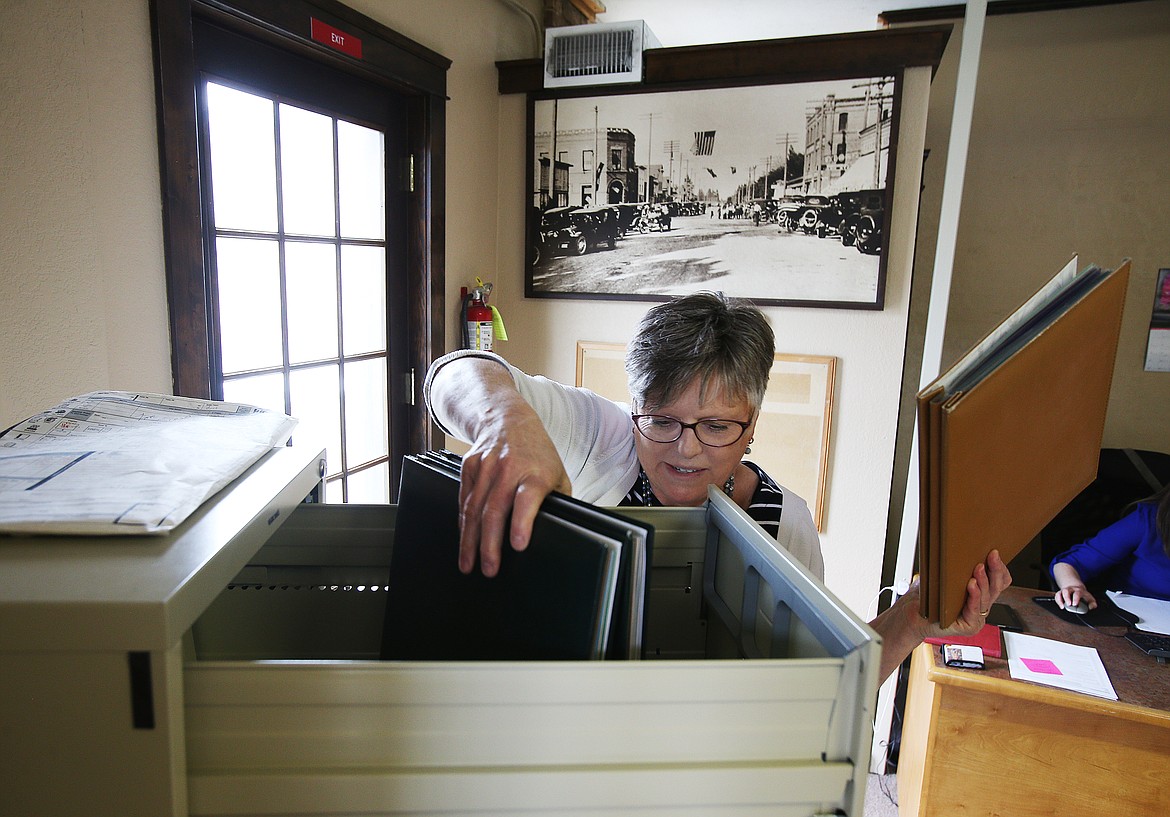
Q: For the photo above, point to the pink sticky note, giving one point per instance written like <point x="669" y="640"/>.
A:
<point x="1041" y="665"/>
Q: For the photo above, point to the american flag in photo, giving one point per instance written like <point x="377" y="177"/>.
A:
<point x="704" y="143"/>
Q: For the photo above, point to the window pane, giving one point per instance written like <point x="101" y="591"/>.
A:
<point x="249" y="304"/>
<point x="263" y="390"/>
<point x="316" y="403"/>
<point x="306" y="171"/>
<point x="371" y="486"/>
<point x="362" y="181"/>
<point x="243" y="159"/>
<point x="311" y="285"/>
<point x="363" y="299"/>
<point x="365" y="411"/>
<point x="333" y="494"/>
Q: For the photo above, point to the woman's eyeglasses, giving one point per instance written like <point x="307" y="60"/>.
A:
<point x="659" y="428"/>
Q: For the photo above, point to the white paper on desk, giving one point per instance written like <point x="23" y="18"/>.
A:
<point x="1057" y="664"/>
<point x="124" y="462"/>
<point x="1153" y="614"/>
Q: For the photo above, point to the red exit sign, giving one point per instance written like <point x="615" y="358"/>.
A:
<point x="336" y="38"/>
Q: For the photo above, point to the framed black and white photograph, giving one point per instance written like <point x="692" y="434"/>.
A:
<point x="776" y="193"/>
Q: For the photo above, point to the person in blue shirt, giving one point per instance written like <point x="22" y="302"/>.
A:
<point x="1131" y="555"/>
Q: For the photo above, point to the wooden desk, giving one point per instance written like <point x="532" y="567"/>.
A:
<point x="980" y="743"/>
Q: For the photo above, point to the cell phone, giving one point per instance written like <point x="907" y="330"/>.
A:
<point x="962" y="656"/>
<point x="1005" y="618"/>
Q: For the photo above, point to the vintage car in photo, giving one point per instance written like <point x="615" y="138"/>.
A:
<point x="786" y="209"/>
<point x="862" y="219"/>
<point x="576" y="230"/>
<point x="800" y="213"/>
<point x="628" y="214"/>
<point x="808" y="215"/>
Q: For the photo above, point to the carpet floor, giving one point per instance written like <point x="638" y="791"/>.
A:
<point x="881" y="795"/>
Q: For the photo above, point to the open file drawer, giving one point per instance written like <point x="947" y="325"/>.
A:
<point x="289" y="712"/>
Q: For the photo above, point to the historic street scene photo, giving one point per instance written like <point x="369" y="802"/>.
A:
<point x="775" y="193"/>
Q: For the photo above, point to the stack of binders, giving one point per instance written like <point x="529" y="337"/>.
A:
<point x="1012" y="432"/>
<point x="577" y="592"/>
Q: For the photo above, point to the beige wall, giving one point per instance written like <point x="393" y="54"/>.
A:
<point x="82" y="296"/>
<point x="1067" y="157"/>
<point x="1074" y="165"/>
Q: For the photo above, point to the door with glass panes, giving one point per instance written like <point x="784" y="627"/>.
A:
<point x="302" y="231"/>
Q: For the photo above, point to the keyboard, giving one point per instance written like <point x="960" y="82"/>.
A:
<point x="1154" y="644"/>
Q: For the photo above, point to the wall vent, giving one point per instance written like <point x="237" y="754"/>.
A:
<point x="596" y="54"/>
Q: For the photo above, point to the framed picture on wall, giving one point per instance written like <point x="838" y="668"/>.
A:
<point x="777" y="193"/>
<point x="792" y="433"/>
<point x="1158" y="344"/>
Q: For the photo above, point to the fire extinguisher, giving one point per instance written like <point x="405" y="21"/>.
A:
<point x="477" y="318"/>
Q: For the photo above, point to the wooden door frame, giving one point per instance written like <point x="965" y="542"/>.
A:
<point x="385" y="58"/>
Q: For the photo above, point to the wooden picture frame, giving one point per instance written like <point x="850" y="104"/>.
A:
<point x="794" y="429"/>
<point x="673" y="75"/>
<point x="621" y="170"/>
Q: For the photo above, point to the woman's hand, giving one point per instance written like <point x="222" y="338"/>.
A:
<point x="512" y="464"/>
<point x="1072" y="588"/>
<point x="1073" y="595"/>
<point x="509" y="470"/>
<point x="988" y="580"/>
<point x="903" y="628"/>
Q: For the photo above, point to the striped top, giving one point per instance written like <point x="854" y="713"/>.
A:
<point x="766" y="507"/>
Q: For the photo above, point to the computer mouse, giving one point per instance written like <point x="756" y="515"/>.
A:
<point x="1080" y="608"/>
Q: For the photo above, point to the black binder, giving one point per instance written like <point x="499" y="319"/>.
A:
<point x="575" y="593"/>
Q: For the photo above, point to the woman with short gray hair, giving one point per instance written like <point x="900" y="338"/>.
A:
<point x="698" y="368"/>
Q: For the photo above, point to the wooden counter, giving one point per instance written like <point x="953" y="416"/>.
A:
<point x="977" y="742"/>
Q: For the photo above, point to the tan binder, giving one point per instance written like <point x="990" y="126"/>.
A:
<point x="1012" y="432"/>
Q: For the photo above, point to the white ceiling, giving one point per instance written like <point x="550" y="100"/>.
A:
<point x="695" y="22"/>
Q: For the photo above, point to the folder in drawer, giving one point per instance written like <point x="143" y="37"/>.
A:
<point x="554" y="600"/>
